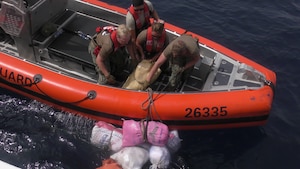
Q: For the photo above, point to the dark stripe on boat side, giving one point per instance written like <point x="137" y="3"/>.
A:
<point x="115" y="117"/>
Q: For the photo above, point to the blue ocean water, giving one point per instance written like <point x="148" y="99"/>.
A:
<point x="33" y="135"/>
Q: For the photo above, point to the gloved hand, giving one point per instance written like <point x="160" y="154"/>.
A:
<point x="111" y="79"/>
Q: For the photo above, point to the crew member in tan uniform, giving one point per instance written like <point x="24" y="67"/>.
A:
<point x="182" y="53"/>
<point x="152" y="41"/>
<point x="138" y="19"/>
<point x="109" y="53"/>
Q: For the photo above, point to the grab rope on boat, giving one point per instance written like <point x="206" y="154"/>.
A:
<point x="148" y="105"/>
<point x="38" y="78"/>
<point x="149" y="102"/>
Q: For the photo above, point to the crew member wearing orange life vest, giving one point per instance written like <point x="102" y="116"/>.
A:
<point x="182" y="54"/>
<point x="138" y="19"/>
<point x="107" y="48"/>
<point x="152" y="41"/>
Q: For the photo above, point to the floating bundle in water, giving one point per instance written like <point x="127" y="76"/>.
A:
<point x="137" y="142"/>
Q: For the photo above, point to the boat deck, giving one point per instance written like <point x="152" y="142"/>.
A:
<point x="69" y="50"/>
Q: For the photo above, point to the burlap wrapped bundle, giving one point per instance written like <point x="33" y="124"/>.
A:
<point x="137" y="79"/>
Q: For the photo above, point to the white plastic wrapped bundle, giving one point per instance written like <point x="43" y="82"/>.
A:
<point x="101" y="136"/>
<point x="174" y="142"/>
<point x="131" y="157"/>
<point x="116" y="140"/>
<point x="105" y="135"/>
<point x="159" y="157"/>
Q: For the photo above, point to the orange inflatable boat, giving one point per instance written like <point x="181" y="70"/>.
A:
<point x="224" y="90"/>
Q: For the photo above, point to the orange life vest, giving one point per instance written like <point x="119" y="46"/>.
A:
<point x="149" y="41"/>
<point x="109" y="164"/>
<point x="138" y="24"/>
<point x="112" y="30"/>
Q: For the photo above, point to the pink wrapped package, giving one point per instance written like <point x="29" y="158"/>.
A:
<point x="132" y="133"/>
<point x="105" y="125"/>
<point x="157" y="133"/>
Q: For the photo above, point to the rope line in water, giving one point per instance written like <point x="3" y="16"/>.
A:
<point x="38" y="78"/>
